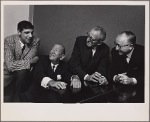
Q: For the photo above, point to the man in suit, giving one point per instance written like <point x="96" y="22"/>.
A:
<point x="20" y="53"/>
<point x="52" y="71"/>
<point x="50" y="76"/>
<point x="127" y="60"/>
<point x="90" y="57"/>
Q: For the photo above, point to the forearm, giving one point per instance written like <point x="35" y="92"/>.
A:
<point x="17" y="65"/>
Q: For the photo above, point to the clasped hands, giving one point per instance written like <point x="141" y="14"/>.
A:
<point x="97" y="78"/>
<point x="57" y="84"/>
<point x="123" y="79"/>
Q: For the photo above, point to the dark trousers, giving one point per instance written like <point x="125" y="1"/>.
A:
<point x="17" y="87"/>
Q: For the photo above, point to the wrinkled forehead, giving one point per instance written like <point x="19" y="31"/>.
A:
<point x="58" y="47"/>
<point x="122" y="39"/>
<point x="95" y="33"/>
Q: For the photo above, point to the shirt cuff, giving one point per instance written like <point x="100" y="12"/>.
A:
<point x="45" y="81"/>
<point x="134" y="81"/>
<point x="74" y="76"/>
<point x="86" y="76"/>
<point x="114" y="78"/>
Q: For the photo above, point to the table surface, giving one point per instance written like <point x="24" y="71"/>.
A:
<point x="92" y="93"/>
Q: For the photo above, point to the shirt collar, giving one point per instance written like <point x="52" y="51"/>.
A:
<point x="54" y="65"/>
<point x="130" y="54"/>
<point x="21" y="43"/>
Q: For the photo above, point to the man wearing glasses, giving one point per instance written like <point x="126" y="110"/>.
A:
<point x="90" y="56"/>
<point x="127" y="60"/>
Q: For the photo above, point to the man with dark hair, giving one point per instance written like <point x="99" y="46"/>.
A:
<point x="90" y="57"/>
<point x="127" y="60"/>
<point x="20" y="53"/>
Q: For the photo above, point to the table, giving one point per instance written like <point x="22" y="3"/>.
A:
<point x="92" y="93"/>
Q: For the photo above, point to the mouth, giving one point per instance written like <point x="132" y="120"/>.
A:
<point x="52" y="55"/>
<point x="120" y="53"/>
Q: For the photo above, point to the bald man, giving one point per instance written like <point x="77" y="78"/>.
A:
<point x="127" y="60"/>
<point x="52" y="71"/>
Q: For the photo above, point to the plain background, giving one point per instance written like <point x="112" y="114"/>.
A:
<point x="13" y="15"/>
<point x="63" y="23"/>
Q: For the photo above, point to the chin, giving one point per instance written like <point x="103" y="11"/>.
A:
<point x="51" y="58"/>
<point x="120" y="53"/>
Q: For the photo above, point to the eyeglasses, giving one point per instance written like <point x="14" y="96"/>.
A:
<point x="121" y="46"/>
<point x="91" y="39"/>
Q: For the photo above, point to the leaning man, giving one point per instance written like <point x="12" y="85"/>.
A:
<point x="20" y="53"/>
<point x="128" y="60"/>
<point x="90" y="57"/>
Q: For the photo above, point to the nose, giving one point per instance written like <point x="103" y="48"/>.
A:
<point x="30" y="35"/>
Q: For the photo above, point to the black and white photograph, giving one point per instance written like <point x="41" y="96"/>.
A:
<point x="75" y="60"/>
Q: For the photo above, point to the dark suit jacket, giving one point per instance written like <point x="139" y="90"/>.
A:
<point x="135" y="68"/>
<point x="43" y="69"/>
<point x="81" y="64"/>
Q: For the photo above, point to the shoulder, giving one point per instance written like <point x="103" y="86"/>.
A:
<point x="114" y="51"/>
<point x="63" y="64"/>
<point x="81" y="39"/>
<point x="105" y="46"/>
<point x="12" y="38"/>
<point x="139" y="47"/>
<point x="139" y="50"/>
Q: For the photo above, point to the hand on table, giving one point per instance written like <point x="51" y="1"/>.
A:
<point x="75" y="82"/>
<point x="57" y="84"/>
<point x="124" y="79"/>
<point x="97" y="78"/>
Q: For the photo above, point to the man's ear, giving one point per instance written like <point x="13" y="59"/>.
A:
<point x="19" y="32"/>
<point x="62" y="57"/>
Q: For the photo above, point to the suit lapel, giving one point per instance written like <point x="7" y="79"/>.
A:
<point x="95" y="57"/>
<point x="18" y="48"/>
<point x="27" y="49"/>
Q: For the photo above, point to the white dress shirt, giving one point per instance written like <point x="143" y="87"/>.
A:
<point x="46" y="80"/>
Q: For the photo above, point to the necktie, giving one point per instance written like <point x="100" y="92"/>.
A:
<point x="53" y="68"/>
<point x="23" y="48"/>
<point x="127" y="59"/>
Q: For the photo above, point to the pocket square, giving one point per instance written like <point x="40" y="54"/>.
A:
<point x="58" y="77"/>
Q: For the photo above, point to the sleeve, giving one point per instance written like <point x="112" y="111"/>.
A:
<point x="67" y="75"/>
<point x="9" y="57"/>
<point x="74" y="62"/>
<point x="34" y="50"/>
<point x="114" y="64"/>
<point x="103" y="65"/>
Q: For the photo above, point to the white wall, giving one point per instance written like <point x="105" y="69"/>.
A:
<point x="12" y="15"/>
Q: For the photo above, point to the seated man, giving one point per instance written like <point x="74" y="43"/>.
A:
<point x="20" y="52"/>
<point x="90" y="57"/>
<point x="52" y="71"/>
<point x="127" y="60"/>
